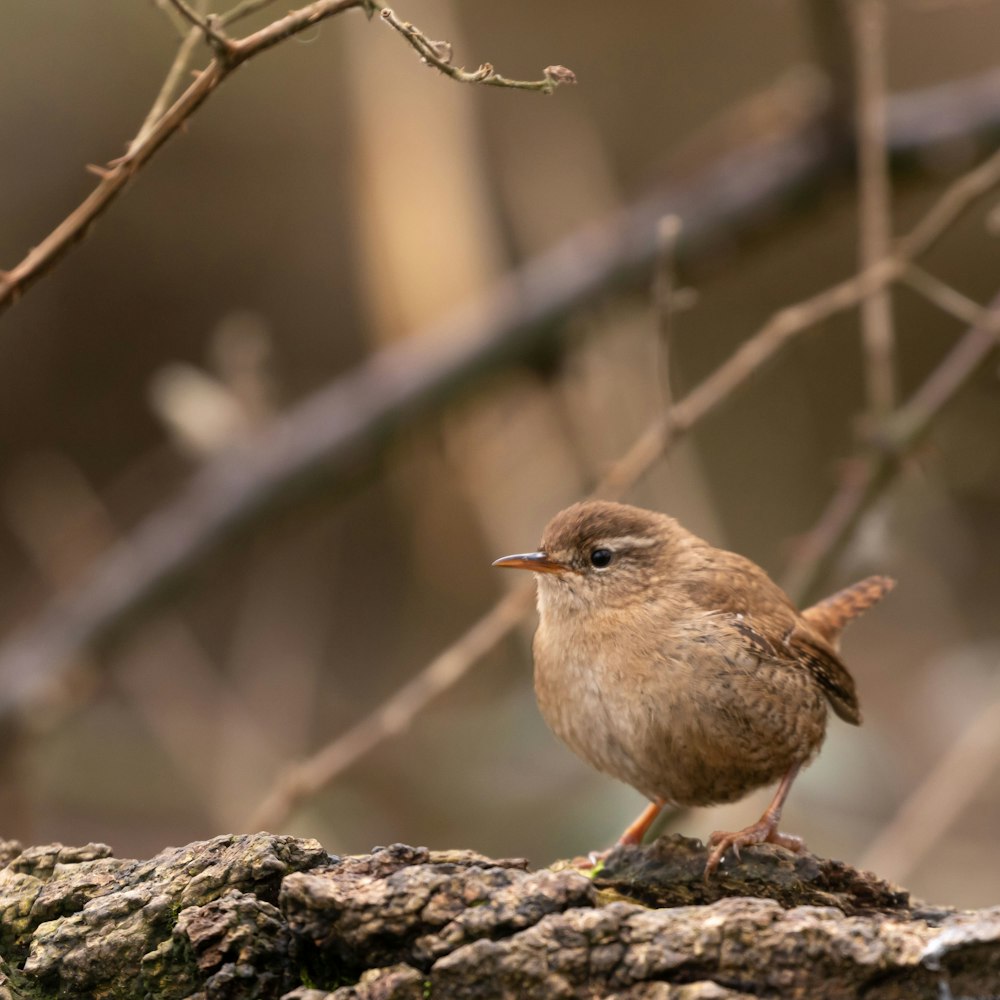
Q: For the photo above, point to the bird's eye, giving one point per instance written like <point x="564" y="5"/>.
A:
<point x="600" y="558"/>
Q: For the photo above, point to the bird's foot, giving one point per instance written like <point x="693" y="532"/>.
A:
<point x="764" y="831"/>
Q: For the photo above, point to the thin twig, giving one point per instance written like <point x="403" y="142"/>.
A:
<point x="665" y="304"/>
<point x="439" y="54"/>
<point x="301" y="780"/>
<point x="874" y="207"/>
<point x="116" y="175"/>
<point x="866" y="476"/>
<point x="949" y="299"/>
<point x="229" y="54"/>
<point x="170" y="83"/>
<point x="207" y="25"/>
<point x="960" y="195"/>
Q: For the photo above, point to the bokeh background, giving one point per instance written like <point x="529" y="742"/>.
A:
<point x="335" y="197"/>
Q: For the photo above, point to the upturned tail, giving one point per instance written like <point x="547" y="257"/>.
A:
<point x="829" y="616"/>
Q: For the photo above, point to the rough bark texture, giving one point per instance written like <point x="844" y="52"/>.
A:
<point x="274" y="917"/>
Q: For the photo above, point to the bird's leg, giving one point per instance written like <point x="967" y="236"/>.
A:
<point x="639" y="827"/>
<point x="765" y="830"/>
<point x="633" y="834"/>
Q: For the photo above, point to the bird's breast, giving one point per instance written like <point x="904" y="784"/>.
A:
<point x="674" y="716"/>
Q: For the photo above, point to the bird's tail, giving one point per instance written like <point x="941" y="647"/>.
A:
<point x="829" y="616"/>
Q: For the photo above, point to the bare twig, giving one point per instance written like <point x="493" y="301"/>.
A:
<point x="171" y="82"/>
<point x="301" y="780"/>
<point x="116" y="175"/>
<point x="867" y="475"/>
<point x="931" y="808"/>
<point x="918" y="120"/>
<point x="229" y="54"/>
<point x="665" y="298"/>
<point x="207" y="25"/>
<point x="949" y="299"/>
<point x="743" y="362"/>
<point x="439" y="54"/>
<point x="875" y="216"/>
<point x="957" y="197"/>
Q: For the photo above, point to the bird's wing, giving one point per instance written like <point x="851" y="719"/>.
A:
<point x="769" y="627"/>
<point x="788" y="639"/>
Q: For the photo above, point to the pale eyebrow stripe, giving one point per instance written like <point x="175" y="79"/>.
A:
<point x="626" y="542"/>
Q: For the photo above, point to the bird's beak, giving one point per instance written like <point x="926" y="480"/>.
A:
<point x="537" y="562"/>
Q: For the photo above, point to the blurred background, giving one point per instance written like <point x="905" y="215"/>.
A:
<point x="334" y="199"/>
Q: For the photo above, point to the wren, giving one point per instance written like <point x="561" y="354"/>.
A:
<point x="682" y="669"/>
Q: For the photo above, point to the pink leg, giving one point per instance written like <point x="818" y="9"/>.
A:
<point x="765" y="830"/>
<point x="639" y="827"/>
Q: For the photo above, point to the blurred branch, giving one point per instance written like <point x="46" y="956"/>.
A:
<point x="667" y="298"/>
<point x="947" y="298"/>
<point x="868" y="19"/>
<point x="830" y="28"/>
<point x="867" y="476"/>
<point x="301" y="780"/>
<point x="439" y="55"/>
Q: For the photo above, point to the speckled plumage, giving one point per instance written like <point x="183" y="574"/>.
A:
<point x="679" y="668"/>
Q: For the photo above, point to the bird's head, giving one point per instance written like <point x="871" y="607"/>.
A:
<point x="599" y="554"/>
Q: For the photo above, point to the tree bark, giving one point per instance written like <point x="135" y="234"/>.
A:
<point x="263" y="916"/>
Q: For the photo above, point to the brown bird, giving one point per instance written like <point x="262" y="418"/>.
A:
<point x="683" y="669"/>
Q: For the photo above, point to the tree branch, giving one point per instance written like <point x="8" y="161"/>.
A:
<point x="116" y="174"/>
<point x="207" y="25"/>
<point x="439" y="54"/>
<point x="868" y="19"/>
<point x="867" y="476"/>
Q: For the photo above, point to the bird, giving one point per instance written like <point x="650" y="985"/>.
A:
<point x="683" y="669"/>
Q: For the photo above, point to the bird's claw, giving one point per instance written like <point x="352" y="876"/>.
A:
<point x="764" y="831"/>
